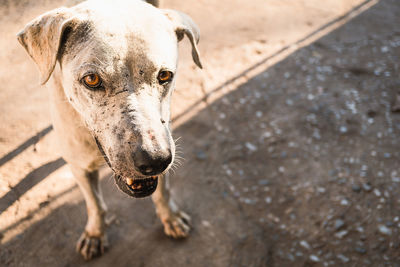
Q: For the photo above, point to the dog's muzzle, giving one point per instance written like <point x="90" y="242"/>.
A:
<point x="137" y="187"/>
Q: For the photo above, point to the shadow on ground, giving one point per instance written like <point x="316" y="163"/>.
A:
<point x="298" y="166"/>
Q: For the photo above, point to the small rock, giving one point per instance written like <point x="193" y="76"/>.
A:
<point x="305" y="244"/>
<point x="201" y="155"/>
<point x="263" y="182"/>
<point x="341" y="234"/>
<point x="339" y="224"/>
<point x="299" y="254"/>
<point x="367" y="187"/>
<point x="383" y="229"/>
<point x="356" y="188"/>
<point x="377" y="192"/>
<point x="314" y="258"/>
<point x="389" y="224"/>
<point x="396" y="179"/>
<point x="251" y="147"/>
<point x="360" y="250"/>
<point x="344" y="202"/>
<point x="360" y="229"/>
<point x="384" y="49"/>
<point x="343" y="258"/>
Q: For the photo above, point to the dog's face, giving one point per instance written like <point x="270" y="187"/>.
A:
<point x="118" y="63"/>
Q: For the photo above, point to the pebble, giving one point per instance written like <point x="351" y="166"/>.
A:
<point x="251" y="147"/>
<point x="360" y="229"/>
<point x="377" y="192"/>
<point x="248" y="201"/>
<point x="339" y="224"/>
<point x="387" y="155"/>
<point x="343" y="258"/>
<point x="356" y="188"/>
<point x="201" y="155"/>
<point x="343" y="129"/>
<point x="314" y="258"/>
<point x="299" y="254"/>
<point x="321" y="190"/>
<point x="367" y="187"/>
<point x="341" y="234"/>
<point x="383" y="229"/>
<point x="263" y="182"/>
<point x="384" y="49"/>
<point x="344" y="202"/>
<point x="305" y="244"/>
<point x="389" y="224"/>
<point x="360" y="250"/>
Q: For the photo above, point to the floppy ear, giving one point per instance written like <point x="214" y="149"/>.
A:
<point x="185" y="25"/>
<point x="41" y="38"/>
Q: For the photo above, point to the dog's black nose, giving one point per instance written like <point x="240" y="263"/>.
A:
<point x="151" y="163"/>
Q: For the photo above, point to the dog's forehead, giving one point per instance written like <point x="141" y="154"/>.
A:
<point x="132" y="29"/>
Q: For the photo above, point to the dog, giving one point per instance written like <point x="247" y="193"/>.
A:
<point x="110" y="68"/>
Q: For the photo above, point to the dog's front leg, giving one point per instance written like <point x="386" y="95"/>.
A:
<point x="93" y="240"/>
<point x="176" y="222"/>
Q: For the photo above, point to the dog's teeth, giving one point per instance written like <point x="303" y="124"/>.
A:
<point x="129" y="181"/>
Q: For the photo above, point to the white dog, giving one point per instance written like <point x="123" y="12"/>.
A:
<point x="111" y="68"/>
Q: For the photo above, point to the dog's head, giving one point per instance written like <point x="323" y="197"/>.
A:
<point x="118" y="62"/>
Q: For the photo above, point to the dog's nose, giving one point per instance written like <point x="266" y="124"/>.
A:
<point x="151" y="163"/>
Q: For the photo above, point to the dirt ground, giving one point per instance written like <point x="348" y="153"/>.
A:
<point x="290" y="136"/>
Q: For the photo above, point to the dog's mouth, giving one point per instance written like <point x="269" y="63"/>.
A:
<point x="134" y="187"/>
<point x="137" y="188"/>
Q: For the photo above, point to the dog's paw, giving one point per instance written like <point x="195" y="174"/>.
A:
<point x="91" y="246"/>
<point x="177" y="225"/>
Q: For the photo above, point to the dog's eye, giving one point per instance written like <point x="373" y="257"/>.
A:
<point x="164" y="76"/>
<point x="92" y="81"/>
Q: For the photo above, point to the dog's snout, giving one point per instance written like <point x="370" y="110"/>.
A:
<point x="151" y="163"/>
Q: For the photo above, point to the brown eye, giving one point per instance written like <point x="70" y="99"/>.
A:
<point x="92" y="81"/>
<point x="164" y="76"/>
